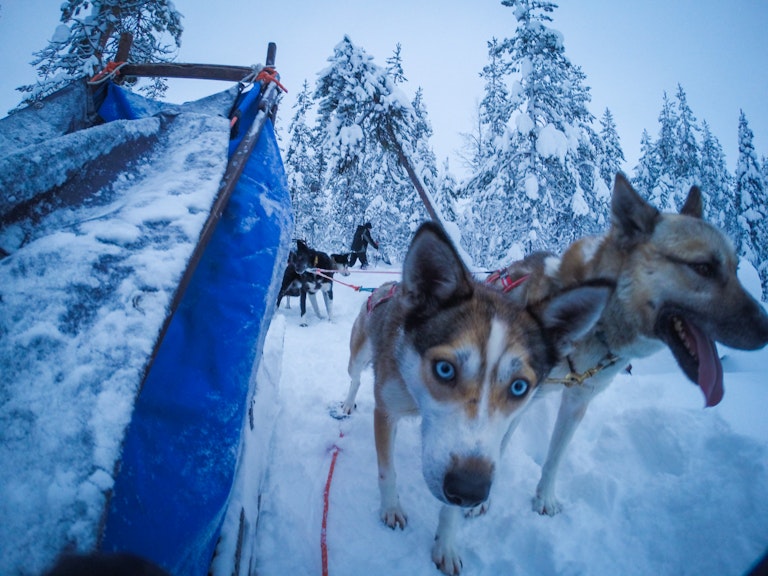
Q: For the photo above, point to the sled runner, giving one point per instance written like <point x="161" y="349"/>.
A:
<point x="141" y="250"/>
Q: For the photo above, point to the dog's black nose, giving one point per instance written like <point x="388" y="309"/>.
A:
<point x="467" y="487"/>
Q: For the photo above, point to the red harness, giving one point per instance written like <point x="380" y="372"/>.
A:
<point x="388" y="296"/>
<point x="507" y="283"/>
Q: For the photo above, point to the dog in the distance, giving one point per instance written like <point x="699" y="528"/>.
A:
<point x="467" y="360"/>
<point x="676" y="285"/>
<point x="308" y="272"/>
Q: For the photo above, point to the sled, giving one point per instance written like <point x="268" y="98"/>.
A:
<point x="142" y="246"/>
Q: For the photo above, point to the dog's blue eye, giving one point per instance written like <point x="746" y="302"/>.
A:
<point x="519" y="388"/>
<point x="444" y="370"/>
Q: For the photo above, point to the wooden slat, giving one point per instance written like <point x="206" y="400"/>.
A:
<point x="196" y="71"/>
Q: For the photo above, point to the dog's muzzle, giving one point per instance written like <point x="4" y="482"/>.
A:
<point x="468" y="482"/>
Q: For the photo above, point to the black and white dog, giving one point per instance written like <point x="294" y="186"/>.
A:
<point x="310" y="271"/>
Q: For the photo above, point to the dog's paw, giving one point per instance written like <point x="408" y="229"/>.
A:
<point x="546" y="505"/>
<point x="347" y="408"/>
<point x="478" y="510"/>
<point x="446" y="558"/>
<point x="394" y="517"/>
<point x="339" y="411"/>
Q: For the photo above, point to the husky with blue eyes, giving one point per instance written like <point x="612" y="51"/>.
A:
<point x="467" y="360"/>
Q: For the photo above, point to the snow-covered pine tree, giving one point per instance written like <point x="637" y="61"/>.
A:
<point x="751" y="205"/>
<point x="364" y="122"/>
<point x="665" y="156"/>
<point x="717" y="184"/>
<point x="425" y="162"/>
<point x="395" y="66"/>
<point x="447" y="193"/>
<point x="538" y="190"/>
<point x="304" y="178"/>
<point x="481" y="147"/>
<point x="647" y="170"/>
<point x="495" y="107"/>
<point x="610" y="154"/>
<point x="88" y="38"/>
<point x="687" y="162"/>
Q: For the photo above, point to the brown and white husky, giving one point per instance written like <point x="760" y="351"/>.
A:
<point x="676" y="285"/>
<point x="464" y="358"/>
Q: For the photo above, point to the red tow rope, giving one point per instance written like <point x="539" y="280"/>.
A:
<point x="326" y="504"/>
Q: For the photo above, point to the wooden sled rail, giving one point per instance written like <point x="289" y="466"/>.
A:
<point x="194" y="71"/>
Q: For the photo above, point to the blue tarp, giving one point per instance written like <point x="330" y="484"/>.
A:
<point x="181" y="447"/>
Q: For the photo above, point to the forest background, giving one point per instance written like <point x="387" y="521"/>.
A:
<point x="536" y="169"/>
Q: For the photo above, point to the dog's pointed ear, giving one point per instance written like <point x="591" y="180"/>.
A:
<point x="433" y="273"/>
<point x="571" y="314"/>
<point x="632" y="217"/>
<point x="694" y="205"/>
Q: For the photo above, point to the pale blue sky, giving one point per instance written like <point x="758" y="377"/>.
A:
<point x="631" y="52"/>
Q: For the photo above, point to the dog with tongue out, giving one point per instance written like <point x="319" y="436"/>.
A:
<point x="676" y="285"/>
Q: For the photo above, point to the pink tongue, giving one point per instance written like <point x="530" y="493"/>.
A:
<point x="710" y="368"/>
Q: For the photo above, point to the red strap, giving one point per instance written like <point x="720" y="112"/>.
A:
<point x="270" y="75"/>
<point x="507" y="284"/>
<point x="389" y="295"/>
<point x="326" y="505"/>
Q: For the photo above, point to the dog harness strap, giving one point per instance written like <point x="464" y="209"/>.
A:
<point x="388" y="296"/>
<point x="507" y="283"/>
<point x="573" y="378"/>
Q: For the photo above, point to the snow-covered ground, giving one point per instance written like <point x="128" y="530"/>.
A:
<point x="653" y="483"/>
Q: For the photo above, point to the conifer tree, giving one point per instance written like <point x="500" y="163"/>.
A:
<point x="647" y="169"/>
<point x="88" y="38"/>
<point x="365" y="122"/>
<point x="686" y="152"/>
<point x="687" y="162"/>
<point x="395" y="66"/>
<point x="610" y="154"/>
<point x="716" y="184"/>
<point x="751" y="205"/>
<point x="495" y="108"/>
<point x="665" y="156"/>
<point x="304" y="178"/>
<point x="538" y="191"/>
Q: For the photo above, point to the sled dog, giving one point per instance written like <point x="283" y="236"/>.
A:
<point x="676" y="285"/>
<point x="300" y="278"/>
<point x="467" y="360"/>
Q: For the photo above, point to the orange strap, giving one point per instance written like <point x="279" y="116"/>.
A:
<point x="268" y="74"/>
<point x="110" y="69"/>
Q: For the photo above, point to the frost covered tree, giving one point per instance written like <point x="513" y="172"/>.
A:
<point x="647" y="170"/>
<point x="610" y="154"/>
<point x="495" y="107"/>
<point x="665" y="156"/>
<point x="716" y="184"/>
<point x="88" y="37"/>
<point x="686" y="153"/>
<point x="423" y="155"/>
<point x="538" y="191"/>
<point x="365" y="122"/>
<point x="447" y="193"/>
<point x="395" y="66"/>
<point x="302" y="165"/>
<point x="751" y="205"/>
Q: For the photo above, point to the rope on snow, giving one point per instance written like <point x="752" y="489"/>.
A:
<point x="326" y="505"/>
